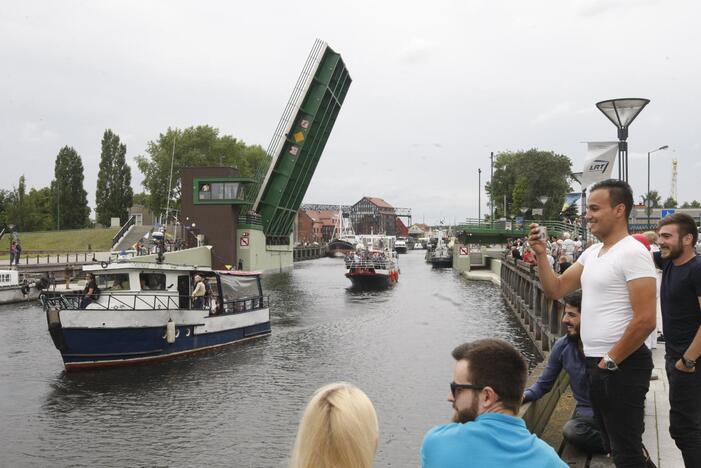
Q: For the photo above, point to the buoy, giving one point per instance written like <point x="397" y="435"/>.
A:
<point x="170" y="331"/>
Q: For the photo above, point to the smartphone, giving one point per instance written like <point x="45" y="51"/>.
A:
<point x="543" y="234"/>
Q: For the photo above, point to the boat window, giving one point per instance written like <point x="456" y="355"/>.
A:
<point x="152" y="281"/>
<point x="239" y="287"/>
<point x="112" y="281"/>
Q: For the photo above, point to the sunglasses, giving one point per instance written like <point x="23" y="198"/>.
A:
<point x="454" y="387"/>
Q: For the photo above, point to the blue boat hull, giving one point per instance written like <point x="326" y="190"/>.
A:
<point x="87" y="348"/>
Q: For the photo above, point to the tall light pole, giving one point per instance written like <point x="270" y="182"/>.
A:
<point x="622" y="112"/>
<point x="479" y="196"/>
<point x="491" y="187"/>
<point x="647" y="195"/>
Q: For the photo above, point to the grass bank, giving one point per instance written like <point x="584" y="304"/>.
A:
<point x="74" y="240"/>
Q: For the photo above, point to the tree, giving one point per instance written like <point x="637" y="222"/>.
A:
<point x="69" y="198"/>
<point x="670" y="203"/>
<point x="16" y="205"/>
<point x="40" y="215"/>
<point x="113" y="197"/>
<point x="141" y="198"/>
<point x="654" y="198"/>
<point x="199" y="146"/>
<point x="523" y="176"/>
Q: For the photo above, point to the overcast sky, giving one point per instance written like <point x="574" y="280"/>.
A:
<point x="436" y="86"/>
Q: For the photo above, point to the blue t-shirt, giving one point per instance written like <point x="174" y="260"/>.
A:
<point x="493" y="440"/>
<point x="565" y="354"/>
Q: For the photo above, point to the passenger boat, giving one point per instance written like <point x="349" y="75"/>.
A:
<point x="374" y="263"/>
<point x="12" y="289"/>
<point x="400" y="245"/>
<point x="144" y="312"/>
<point x="442" y="254"/>
<point x="343" y="239"/>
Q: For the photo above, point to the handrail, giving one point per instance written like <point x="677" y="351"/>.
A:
<point x="123" y="231"/>
<point x="141" y="301"/>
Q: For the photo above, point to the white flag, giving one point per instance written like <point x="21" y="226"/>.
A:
<point x="598" y="164"/>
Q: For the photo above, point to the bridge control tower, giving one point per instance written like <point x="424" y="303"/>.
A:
<point x="264" y="233"/>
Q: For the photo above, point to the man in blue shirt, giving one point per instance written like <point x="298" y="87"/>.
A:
<point x="488" y="383"/>
<point x="582" y="430"/>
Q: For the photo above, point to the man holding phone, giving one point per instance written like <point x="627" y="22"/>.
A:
<point x="617" y="278"/>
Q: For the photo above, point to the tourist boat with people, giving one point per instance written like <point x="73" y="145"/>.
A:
<point x="14" y="288"/>
<point x="144" y="312"/>
<point x="374" y="264"/>
<point x="442" y="255"/>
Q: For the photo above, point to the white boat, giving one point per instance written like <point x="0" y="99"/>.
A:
<point x="442" y="255"/>
<point x="374" y="264"/>
<point x="144" y="312"/>
<point x="12" y="289"/>
<point x="400" y="245"/>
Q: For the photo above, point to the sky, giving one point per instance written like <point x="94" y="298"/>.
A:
<point x="436" y="87"/>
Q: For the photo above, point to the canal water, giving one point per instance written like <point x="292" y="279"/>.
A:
<point x="240" y="406"/>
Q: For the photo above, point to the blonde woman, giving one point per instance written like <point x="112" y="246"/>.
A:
<point x="338" y="430"/>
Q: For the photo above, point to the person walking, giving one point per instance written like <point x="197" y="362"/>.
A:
<point x="581" y="430"/>
<point x="617" y="278"/>
<point x="488" y="382"/>
<point x="680" y="294"/>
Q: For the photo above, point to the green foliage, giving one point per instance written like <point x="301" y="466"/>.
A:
<point x="654" y="198"/>
<point x="27" y="211"/>
<point x="141" y="198"/>
<point x="69" y="198"/>
<point x="523" y="176"/>
<point x="669" y="203"/>
<point x="199" y="146"/>
<point x="693" y="204"/>
<point x="114" y="193"/>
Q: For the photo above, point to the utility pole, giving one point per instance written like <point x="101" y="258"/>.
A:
<point x="491" y="187"/>
<point x="479" y="196"/>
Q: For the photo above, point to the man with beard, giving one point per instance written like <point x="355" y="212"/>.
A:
<point x="488" y="382"/>
<point x="617" y="278"/>
<point x="582" y="431"/>
<point x="680" y="295"/>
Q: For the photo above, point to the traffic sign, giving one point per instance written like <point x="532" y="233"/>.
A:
<point x="464" y="251"/>
<point x="243" y="241"/>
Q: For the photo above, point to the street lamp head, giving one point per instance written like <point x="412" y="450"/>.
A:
<point x="524" y="209"/>
<point x="622" y="112"/>
<point x="543" y="199"/>
<point x="663" y="147"/>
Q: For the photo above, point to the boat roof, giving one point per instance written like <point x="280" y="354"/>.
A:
<point x="238" y="273"/>
<point x="121" y="266"/>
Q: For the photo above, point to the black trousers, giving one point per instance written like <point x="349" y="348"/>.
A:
<point x="685" y="412"/>
<point x="584" y="433"/>
<point x="618" y="401"/>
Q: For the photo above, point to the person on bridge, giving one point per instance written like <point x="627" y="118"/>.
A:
<point x="488" y="383"/>
<point x="582" y="430"/>
<point x="617" y="278"/>
<point x="338" y="429"/>
<point x="680" y="294"/>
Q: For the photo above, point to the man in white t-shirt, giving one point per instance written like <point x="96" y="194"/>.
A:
<point x="617" y="277"/>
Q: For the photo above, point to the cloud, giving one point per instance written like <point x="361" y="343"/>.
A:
<point x="418" y="51"/>
<point x="34" y="132"/>
<point x="553" y="112"/>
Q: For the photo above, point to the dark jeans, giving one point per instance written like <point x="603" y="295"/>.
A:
<point x="584" y="433"/>
<point x="198" y="302"/>
<point x="618" y="400"/>
<point x="685" y="412"/>
<point x="84" y="302"/>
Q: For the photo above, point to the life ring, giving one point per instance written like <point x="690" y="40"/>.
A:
<point x="104" y="264"/>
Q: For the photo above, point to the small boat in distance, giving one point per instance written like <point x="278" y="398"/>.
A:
<point x="400" y="245"/>
<point x="343" y="240"/>
<point x="374" y="263"/>
<point x="12" y="289"/>
<point x="442" y="254"/>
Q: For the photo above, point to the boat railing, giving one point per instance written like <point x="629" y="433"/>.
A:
<point x="382" y="263"/>
<point x="133" y="301"/>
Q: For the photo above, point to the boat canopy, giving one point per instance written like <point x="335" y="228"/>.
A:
<point x="235" y="287"/>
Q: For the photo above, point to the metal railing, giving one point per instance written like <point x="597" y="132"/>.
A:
<point x="380" y="263"/>
<point x="123" y="231"/>
<point x="132" y="301"/>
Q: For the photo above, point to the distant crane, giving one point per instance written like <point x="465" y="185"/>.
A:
<point x="674" y="180"/>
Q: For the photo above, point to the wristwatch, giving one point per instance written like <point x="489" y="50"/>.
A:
<point x="688" y="363"/>
<point x="610" y="363"/>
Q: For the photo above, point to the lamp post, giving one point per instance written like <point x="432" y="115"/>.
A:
<point x="479" y="197"/>
<point x="622" y="112"/>
<point x="647" y="195"/>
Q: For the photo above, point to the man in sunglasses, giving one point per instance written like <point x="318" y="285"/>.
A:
<point x="488" y="383"/>
<point x="582" y="430"/>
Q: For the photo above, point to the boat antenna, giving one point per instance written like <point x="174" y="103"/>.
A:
<point x="170" y="178"/>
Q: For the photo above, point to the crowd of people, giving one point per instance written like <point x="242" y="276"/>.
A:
<point x="610" y="292"/>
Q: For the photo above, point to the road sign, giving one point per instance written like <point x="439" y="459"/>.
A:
<point x="464" y="251"/>
<point x="667" y="212"/>
<point x="243" y="241"/>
